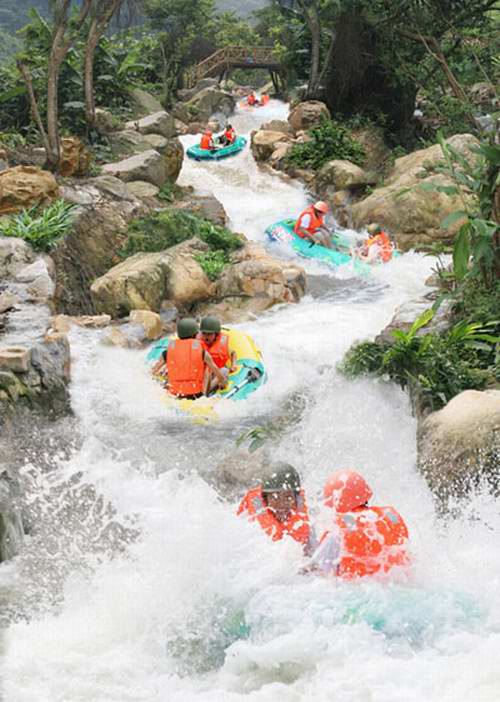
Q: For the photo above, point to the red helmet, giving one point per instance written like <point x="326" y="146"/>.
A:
<point x="346" y="490"/>
<point x="321" y="206"/>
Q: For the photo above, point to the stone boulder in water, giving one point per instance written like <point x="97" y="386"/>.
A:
<point x="459" y="446"/>
<point x="22" y="187"/>
<point x="265" y="142"/>
<point x="412" y="214"/>
<point x="209" y="101"/>
<point x="308" y="114"/>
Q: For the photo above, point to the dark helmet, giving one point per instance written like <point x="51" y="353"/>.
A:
<point x="283" y="476"/>
<point x="187" y="328"/>
<point x="229" y="126"/>
<point x="210" y="325"/>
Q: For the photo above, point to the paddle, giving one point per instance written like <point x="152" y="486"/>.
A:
<point x="252" y="376"/>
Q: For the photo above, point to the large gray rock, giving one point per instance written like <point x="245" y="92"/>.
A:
<point x="265" y="142"/>
<point x="459" y="446"/>
<point x="11" y="527"/>
<point x="128" y="142"/>
<point x="341" y="175"/>
<point x="173" y="157"/>
<point x="189" y="93"/>
<point x="145" y="280"/>
<point x="209" y="101"/>
<point x="149" y="166"/>
<point x="402" y="207"/>
<point x="157" y="123"/>
<point x="14" y="255"/>
<point x="144" y="102"/>
<point x="308" y="114"/>
<point x="141" y="189"/>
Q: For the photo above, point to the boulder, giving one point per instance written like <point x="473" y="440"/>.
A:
<point x="144" y="102"/>
<point x="173" y="157"/>
<point x="279" y="155"/>
<point x="128" y="336"/>
<point x="75" y="158"/>
<point x="308" y="114"/>
<point x="157" y="123"/>
<point x="153" y="327"/>
<point x="111" y="187"/>
<point x="7" y="301"/>
<point x="180" y="112"/>
<point x="401" y="206"/>
<point x="253" y="283"/>
<point x="14" y="255"/>
<point x="128" y="141"/>
<point x="278" y="125"/>
<point x="377" y="153"/>
<point x="206" y="206"/>
<point x="143" y="281"/>
<point x="11" y="526"/>
<point x="181" y="127"/>
<point x="22" y="187"/>
<point x="210" y="100"/>
<point x="188" y="94"/>
<point x="141" y="189"/>
<point x="106" y="122"/>
<point x="62" y="323"/>
<point x="90" y="248"/>
<point x="459" y="446"/>
<point x="149" y="166"/>
<point x="341" y="175"/>
<point x="156" y="142"/>
<point x="264" y="143"/>
<point x="15" y="358"/>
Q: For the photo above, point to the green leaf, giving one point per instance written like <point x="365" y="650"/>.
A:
<point x="13" y="92"/>
<point x="461" y="253"/>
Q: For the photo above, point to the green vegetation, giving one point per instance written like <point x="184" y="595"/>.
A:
<point x="164" y="229"/>
<point x="331" y="140"/>
<point x="40" y="228"/>
<point x="435" y="367"/>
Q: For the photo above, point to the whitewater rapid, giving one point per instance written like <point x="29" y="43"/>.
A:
<point x="138" y="583"/>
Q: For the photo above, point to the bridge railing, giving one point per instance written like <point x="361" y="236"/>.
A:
<point x="225" y="58"/>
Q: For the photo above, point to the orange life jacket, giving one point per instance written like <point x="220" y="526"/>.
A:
<point x="230" y="135"/>
<point x="219" y="350"/>
<point x="296" y="526"/>
<point x="185" y="367"/>
<point x="316" y="222"/>
<point x="206" y="142"/>
<point x="251" y="99"/>
<point x="373" y="540"/>
<point x="384" y="243"/>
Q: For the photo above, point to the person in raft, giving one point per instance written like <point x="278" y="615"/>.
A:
<point x="278" y="505"/>
<point x="186" y="365"/>
<point x="363" y="540"/>
<point x="228" y="136"/>
<point x="216" y="344"/>
<point x="207" y="141"/>
<point x="310" y="225"/>
<point x="252" y="99"/>
<point x="377" y="247"/>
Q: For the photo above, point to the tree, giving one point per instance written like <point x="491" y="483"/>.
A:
<point x="66" y="30"/>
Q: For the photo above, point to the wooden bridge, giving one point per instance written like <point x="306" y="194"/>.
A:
<point x="223" y="61"/>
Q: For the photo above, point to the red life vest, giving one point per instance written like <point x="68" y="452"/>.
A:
<point x="219" y="350"/>
<point x="230" y="135"/>
<point x="185" y="367"/>
<point x="206" y="142"/>
<point x="296" y="526"/>
<point x="373" y="540"/>
<point x="316" y="222"/>
<point x="384" y="243"/>
<point x="251" y="99"/>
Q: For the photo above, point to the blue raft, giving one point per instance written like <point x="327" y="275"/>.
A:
<point x="283" y="231"/>
<point x="200" y="154"/>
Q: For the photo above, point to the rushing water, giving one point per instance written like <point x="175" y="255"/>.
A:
<point x="138" y="583"/>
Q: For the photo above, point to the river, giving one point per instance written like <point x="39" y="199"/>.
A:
<point x="138" y="583"/>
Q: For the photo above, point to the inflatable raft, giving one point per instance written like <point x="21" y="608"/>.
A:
<point x="262" y="103"/>
<point x="199" y="154"/>
<point x="283" y="231"/>
<point x="248" y="376"/>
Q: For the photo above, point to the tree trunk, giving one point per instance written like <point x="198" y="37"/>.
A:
<point x="57" y="54"/>
<point x="311" y="18"/>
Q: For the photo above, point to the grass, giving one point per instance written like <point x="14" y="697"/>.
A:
<point x="330" y="140"/>
<point x="40" y="228"/>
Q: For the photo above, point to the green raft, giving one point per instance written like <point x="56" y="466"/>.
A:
<point x="199" y="154"/>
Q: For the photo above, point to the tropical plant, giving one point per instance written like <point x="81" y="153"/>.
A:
<point x="213" y="262"/>
<point x="41" y="228"/>
<point x="330" y="140"/>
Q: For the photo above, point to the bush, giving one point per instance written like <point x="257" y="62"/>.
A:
<point x="436" y="366"/>
<point x="213" y="263"/>
<point x="164" y="229"/>
<point x="331" y="140"/>
<point x="40" y="228"/>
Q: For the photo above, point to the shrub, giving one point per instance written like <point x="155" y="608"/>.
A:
<point x="40" y="228"/>
<point x="213" y="263"/>
<point x="165" y="229"/>
<point x="331" y="140"/>
<point x="436" y="366"/>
